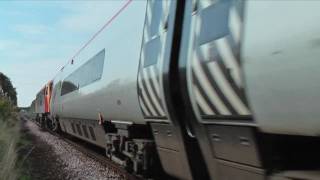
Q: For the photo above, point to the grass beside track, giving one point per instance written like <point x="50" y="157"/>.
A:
<point x="9" y="139"/>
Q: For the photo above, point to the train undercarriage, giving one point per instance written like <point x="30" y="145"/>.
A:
<point x="45" y="121"/>
<point x="131" y="146"/>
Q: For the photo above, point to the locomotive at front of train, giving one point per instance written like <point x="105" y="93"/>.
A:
<point x="233" y="62"/>
<point x="42" y="107"/>
<point x="39" y="107"/>
<point x="111" y="92"/>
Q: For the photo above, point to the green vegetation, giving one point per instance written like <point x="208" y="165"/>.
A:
<point x="9" y="137"/>
<point x="9" y="130"/>
<point x="8" y="88"/>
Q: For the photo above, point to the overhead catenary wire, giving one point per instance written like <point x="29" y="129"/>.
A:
<point x="106" y="24"/>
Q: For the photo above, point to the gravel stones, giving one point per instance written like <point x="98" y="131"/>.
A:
<point x="63" y="160"/>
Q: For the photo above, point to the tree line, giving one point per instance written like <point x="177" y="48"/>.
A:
<point x="7" y="88"/>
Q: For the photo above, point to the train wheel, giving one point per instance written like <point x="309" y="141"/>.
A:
<point x="54" y="125"/>
<point x="43" y="122"/>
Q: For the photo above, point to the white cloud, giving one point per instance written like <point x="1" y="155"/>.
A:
<point x="34" y="59"/>
<point x="30" y="65"/>
<point x="89" y="16"/>
<point x="21" y="50"/>
<point x="7" y="44"/>
<point x="30" y="76"/>
<point x="31" y="29"/>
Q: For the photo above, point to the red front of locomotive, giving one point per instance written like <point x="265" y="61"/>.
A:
<point x="47" y="95"/>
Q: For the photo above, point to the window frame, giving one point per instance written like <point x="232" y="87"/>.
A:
<point x="73" y="78"/>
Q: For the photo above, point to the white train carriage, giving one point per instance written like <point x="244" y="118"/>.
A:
<point x="196" y="85"/>
<point x="101" y="80"/>
<point x="111" y="93"/>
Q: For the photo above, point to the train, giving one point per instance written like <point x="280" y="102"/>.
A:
<point x="197" y="89"/>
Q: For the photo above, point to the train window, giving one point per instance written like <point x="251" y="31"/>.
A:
<point x="92" y="70"/>
<point x="86" y="74"/>
<point x="73" y="129"/>
<point x="79" y="129"/>
<point x="156" y="16"/>
<point x="151" y="52"/>
<point x="214" y="22"/>
<point x="84" y="128"/>
<point x="93" y="136"/>
<point x="67" y="87"/>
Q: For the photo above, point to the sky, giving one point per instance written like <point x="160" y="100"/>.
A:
<point x="38" y="37"/>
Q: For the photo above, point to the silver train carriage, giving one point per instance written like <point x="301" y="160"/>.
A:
<point x="205" y="87"/>
<point x="111" y="93"/>
<point x="249" y="97"/>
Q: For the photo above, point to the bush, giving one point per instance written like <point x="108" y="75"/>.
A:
<point x="6" y="109"/>
<point x="9" y="137"/>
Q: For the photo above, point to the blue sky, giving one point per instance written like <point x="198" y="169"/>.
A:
<point x="38" y="37"/>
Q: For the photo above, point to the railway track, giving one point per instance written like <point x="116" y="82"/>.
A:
<point x="89" y="151"/>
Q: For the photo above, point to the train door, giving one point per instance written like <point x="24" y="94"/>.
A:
<point x="55" y="104"/>
<point x="159" y="33"/>
<point x="213" y="90"/>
